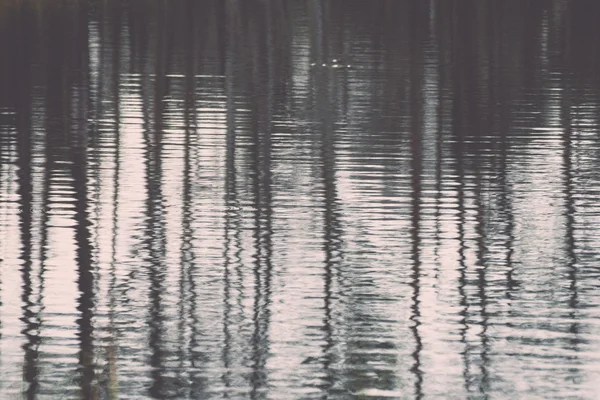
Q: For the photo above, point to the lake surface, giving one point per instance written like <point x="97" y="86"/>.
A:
<point x="308" y="199"/>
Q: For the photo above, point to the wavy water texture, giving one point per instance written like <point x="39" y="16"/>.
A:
<point x="299" y="199"/>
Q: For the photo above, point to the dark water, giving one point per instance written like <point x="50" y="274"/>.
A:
<point x="189" y="208"/>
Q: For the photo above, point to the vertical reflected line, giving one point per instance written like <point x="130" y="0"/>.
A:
<point x="195" y="355"/>
<point x="187" y="258"/>
<point x="154" y="241"/>
<point x="438" y="137"/>
<point x="505" y="203"/>
<point x="188" y="255"/>
<point x="497" y="110"/>
<point x="112" y="350"/>
<point x="57" y="128"/>
<point x="230" y="204"/>
<point x="505" y="197"/>
<point x="570" y="232"/>
<point x="44" y="234"/>
<point x="261" y="187"/>
<point x="258" y="378"/>
<point x="570" y="244"/>
<point x="482" y="284"/>
<point x="416" y="259"/>
<point x="31" y="319"/>
<point x="506" y="207"/>
<point x="267" y="185"/>
<point x="262" y="257"/>
<point x="416" y="185"/>
<point x="85" y="280"/>
<point x="89" y="92"/>
<point x="262" y="232"/>
<point x="267" y="245"/>
<point x="458" y="80"/>
<point x="155" y="231"/>
<point x="493" y="15"/>
<point x="43" y="257"/>
<point x="462" y="281"/>
<point x="230" y="190"/>
<point x="332" y="255"/>
<point x="331" y="224"/>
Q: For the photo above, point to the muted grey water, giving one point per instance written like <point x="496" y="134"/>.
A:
<point x="299" y="199"/>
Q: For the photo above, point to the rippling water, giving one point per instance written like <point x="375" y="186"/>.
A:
<point x="299" y="200"/>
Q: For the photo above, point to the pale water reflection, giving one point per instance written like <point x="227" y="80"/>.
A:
<point x="309" y="199"/>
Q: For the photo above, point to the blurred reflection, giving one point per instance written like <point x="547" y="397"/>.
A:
<point x="314" y="199"/>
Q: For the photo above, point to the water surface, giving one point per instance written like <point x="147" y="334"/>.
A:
<point x="197" y="201"/>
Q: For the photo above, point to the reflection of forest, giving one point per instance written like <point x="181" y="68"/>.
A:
<point x="201" y="211"/>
